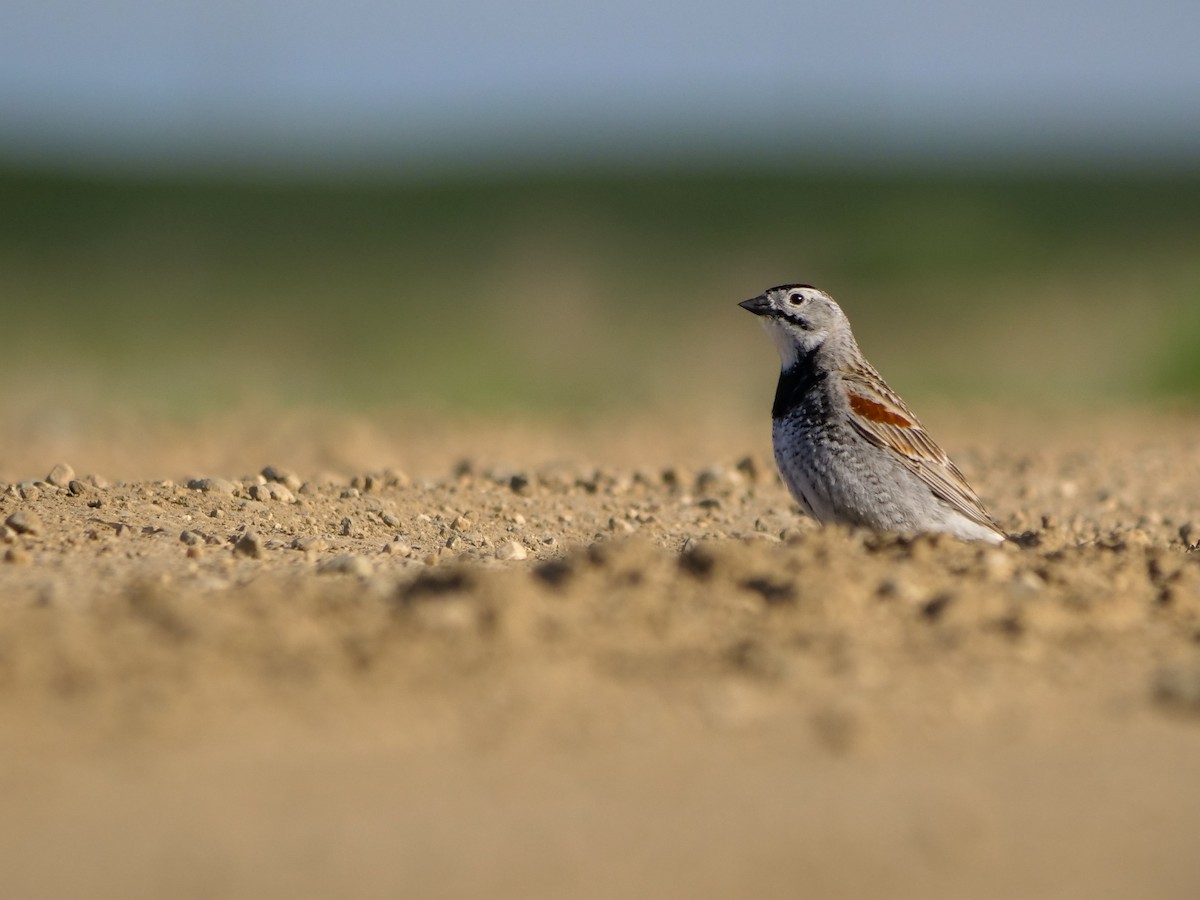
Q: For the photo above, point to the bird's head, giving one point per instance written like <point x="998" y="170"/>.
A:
<point x="800" y="319"/>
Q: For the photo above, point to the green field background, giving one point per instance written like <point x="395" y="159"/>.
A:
<point x="571" y="293"/>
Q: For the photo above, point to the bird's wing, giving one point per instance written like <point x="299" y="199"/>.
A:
<point x="883" y="419"/>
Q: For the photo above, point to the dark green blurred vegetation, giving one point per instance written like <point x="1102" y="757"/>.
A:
<point x="592" y="290"/>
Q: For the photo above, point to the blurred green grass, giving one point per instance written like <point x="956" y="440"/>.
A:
<point x="585" y="291"/>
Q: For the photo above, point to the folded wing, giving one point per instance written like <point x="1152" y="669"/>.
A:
<point x="883" y="419"/>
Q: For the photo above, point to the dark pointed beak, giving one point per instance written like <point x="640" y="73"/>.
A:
<point x="759" y="305"/>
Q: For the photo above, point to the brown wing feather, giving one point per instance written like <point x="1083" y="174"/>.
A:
<point x="886" y="421"/>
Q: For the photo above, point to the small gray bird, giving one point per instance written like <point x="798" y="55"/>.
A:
<point x="849" y="449"/>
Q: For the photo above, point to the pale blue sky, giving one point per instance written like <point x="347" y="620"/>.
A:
<point x="327" y="83"/>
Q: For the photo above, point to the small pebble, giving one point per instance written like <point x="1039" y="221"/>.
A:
<point x="249" y="544"/>
<point x="26" y="490"/>
<point x="307" y="542"/>
<point x="17" y="555"/>
<point x="511" y="550"/>
<point x="748" y="468"/>
<point x="461" y="523"/>
<point x="213" y="486"/>
<point x="346" y="564"/>
<point x="389" y="520"/>
<point x="61" y="475"/>
<point x="286" y="477"/>
<point x="398" y="548"/>
<point x="24" y="521"/>
<point x="396" y="478"/>
<point x="1175" y="686"/>
<point x="619" y="526"/>
<point x="191" y="538"/>
<point x="271" y="491"/>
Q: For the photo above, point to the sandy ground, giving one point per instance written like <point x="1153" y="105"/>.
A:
<point x="432" y="659"/>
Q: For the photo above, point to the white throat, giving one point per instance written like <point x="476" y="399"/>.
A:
<point x="784" y="342"/>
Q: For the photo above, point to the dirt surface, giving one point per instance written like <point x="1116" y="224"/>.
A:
<point x="450" y="660"/>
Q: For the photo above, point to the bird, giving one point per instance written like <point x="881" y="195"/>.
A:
<point x="849" y="449"/>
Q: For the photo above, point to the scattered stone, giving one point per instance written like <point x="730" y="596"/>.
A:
<point x="398" y="548"/>
<point x="347" y="526"/>
<point x="309" y="542"/>
<point x="26" y="490"/>
<point x="1176" y="687"/>
<point x="554" y="572"/>
<point x="346" y="564"/>
<point x="195" y="552"/>
<point x="249" y="544"/>
<point x="519" y="483"/>
<point x="7" y="535"/>
<point x="697" y="559"/>
<point x="454" y="542"/>
<point x="286" y="477"/>
<point x="511" y="550"/>
<point x="752" y="657"/>
<point x="76" y="487"/>
<point x="191" y="538"/>
<point x="61" y="475"/>
<point x="460" y="523"/>
<point x="17" y="556"/>
<point x="389" y="520"/>
<point x="213" y="486"/>
<point x="25" y="521"/>
<point x="707" y="479"/>
<point x="271" y="491"/>
<point x="619" y="526"/>
<point x="749" y="468"/>
<point x="936" y="606"/>
<point x="366" y="483"/>
<point x="396" y="478"/>
<point x="773" y="592"/>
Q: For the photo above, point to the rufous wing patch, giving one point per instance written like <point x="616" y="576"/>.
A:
<point x="877" y="412"/>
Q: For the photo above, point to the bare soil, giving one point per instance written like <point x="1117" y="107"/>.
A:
<point x="456" y="659"/>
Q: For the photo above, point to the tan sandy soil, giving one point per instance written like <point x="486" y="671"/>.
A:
<point x="473" y="659"/>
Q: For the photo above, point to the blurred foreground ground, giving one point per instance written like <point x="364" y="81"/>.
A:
<point x="514" y="659"/>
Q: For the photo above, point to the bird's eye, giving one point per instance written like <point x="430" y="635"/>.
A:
<point x="796" y="299"/>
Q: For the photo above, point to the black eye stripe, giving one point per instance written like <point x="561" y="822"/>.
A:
<point x="797" y="321"/>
